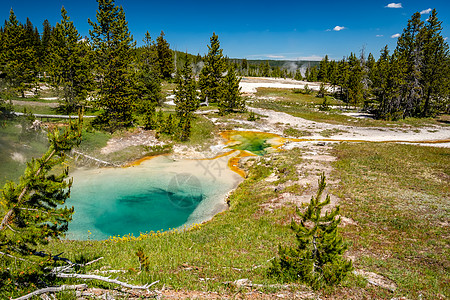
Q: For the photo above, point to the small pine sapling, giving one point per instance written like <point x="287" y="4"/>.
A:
<point x="32" y="210"/>
<point x="144" y="263"/>
<point x="322" y="91"/>
<point x="317" y="259"/>
<point x="324" y="106"/>
<point x="307" y="90"/>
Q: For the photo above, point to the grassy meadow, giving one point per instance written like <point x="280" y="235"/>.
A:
<point x="397" y="195"/>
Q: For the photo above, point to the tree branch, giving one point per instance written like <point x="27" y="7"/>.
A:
<point x="106" y="279"/>
<point x="53" y="290"/>
<point x="18" y="258"/>
<point x="7" y="217"/>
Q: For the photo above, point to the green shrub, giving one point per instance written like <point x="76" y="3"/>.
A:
<point x="317" y="259"/>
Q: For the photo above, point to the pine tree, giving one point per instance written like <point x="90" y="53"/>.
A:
<point x="33" y="207"/>
<point x="244" y="67"/>
<point x="317" y="259"/>
<point x="165" y="56"/>
<point x="211" y="76"/>
<point x="355" y="83"/>
<point x="44" y="50"/>
<point x="184" y="127"/>
<point x="148" y="81"/>
<point x="231" y="99"/>
<point x="343" y="78"/>
<point x="70" y="66"/>
<point x="370" y="67"/>
<point x="324" y="66"/>
<point x="312" y="74"/>
<point x="298" y="74"/>
<point x="334" y="74"/>
<point x="435" y="69"/>
<point x="380" y="81"/>
<point x="159" y="122"/>
<point x="409" y="52"/>
<point x="265" y="69"/>
<point x="186" y="95"/>
<point x="113" y="46"/>
<point x="322" y="91"/>
<point x="169" y="125"/>
<point x="18" y="56"/>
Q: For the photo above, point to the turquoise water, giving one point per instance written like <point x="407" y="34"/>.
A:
<point x="157" y="195"/>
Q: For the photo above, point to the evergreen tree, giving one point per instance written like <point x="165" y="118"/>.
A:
<point x="355" y="84"/>
<point x="169" y="125"/>
<point x="322" y="91"/>
<point x="380" y="80"/>
<point x="343" y="78"/>
<point x="334" y="74"/>
<point x="18" y="56"/>
<point x="324" y="66"/>
<point x="184" y="127"/>
<point x="244" y="67"/>
<point x="33" y="211"/>
<point x="317" y="259"/>
<point x="265" y="69"/>
<point x="365" y="82"/>
<point x="231" y="96"/>
<point x="409" y="52"/>
<point x="436" y="68"/>
<point x="44" y="50"/>
<point x="148" y="81"/>
<point x="298" y="74"/>
<point x="312" y="74"/>
<point x="211" y="76"/>
<point x="159" y="122"/>
<point x="388" y="82"/>
<point x="165" y="56"/>
<point x="113" y="45"/>
<point x="370" y="67"/>
<point x="186" y="95"/>
<point x="70" y="66"/>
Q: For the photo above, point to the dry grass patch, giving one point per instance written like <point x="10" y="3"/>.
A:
<point x="401" y="202"/>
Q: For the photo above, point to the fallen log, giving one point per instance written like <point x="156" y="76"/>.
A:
<point x="53" y="290"/>
<point x="105" y="279"/>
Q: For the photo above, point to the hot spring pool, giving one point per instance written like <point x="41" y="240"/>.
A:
<point x="156" y="195"/>
<point x="160" y="194"/>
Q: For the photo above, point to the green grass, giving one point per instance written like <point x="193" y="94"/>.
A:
<point x="296" y="132"/>
<point x="35" y="109"/>
<point x="399" y="196"/>
<point x="16" y="142"/>
<point x="225" y="249"/>
<point x="93" y="140"/>
<point x="331" y="132"/>
<point x="307" y="107"/>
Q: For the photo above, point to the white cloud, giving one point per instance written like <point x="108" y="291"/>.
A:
<point x="394" y="5"/>
<point x="397" y="35"/>
<point x="446" y="38"/>
<point x="379" y="35"/>
<point x="338" y="28"/>
<point x="425" y="11"/>
<point x="275" y="56"/>
<point x="311" y="57"/>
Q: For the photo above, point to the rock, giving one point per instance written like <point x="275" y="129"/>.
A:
<point x="242" y="282"/>
<point x="377" y="280"/>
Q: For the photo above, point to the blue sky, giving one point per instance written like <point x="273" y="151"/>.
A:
<point x="252" y="29"/>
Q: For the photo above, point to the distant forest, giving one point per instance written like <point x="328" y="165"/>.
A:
<point x="412" y="80"/>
